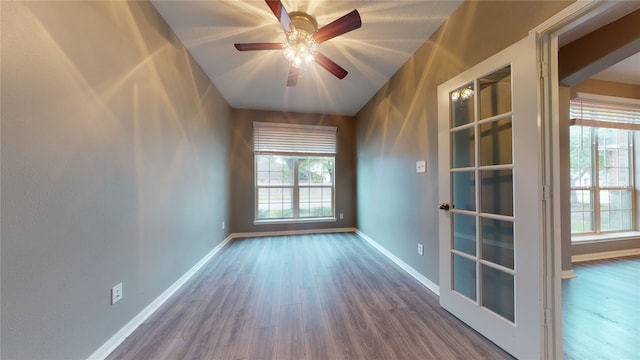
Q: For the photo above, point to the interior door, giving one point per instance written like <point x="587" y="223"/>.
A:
<point x="490" y="197"/>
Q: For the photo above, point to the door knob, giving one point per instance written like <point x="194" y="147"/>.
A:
<point x="444" y="206"/>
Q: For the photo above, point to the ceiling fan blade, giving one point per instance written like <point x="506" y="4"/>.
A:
<point x="349" y="22"/>
<point x="258" y="46"/>
<point x="294" y="74"/>
<point x="281" y="14"/>
<point x="331" y="66"/>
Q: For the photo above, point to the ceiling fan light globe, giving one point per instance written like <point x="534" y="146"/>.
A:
<point x="299" y="48"/>
<point x="289" y="53"/>
<point x="308" y="58"/>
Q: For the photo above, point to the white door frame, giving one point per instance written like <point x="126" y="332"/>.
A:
<point x="522" y="336"/>
<point x="548" y="32"/>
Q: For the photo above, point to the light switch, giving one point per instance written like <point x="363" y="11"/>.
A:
<point x="421" y="166"/>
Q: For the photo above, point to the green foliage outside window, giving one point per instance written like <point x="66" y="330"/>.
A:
<point x="601" y="180"/>
<point x="278" y="196"/>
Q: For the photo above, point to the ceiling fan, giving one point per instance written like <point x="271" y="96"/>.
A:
<point x="301" y="30"/>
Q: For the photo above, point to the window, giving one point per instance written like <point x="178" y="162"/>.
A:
<point x="294" y="187"/>
<point x="602" y="164"/>
<point x="601" y="180"/>
<point x="294" y="171"/>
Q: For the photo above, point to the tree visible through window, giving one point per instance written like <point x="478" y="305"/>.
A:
<point x="295" y="171"/>
<point x="601" y="180"/>
<point x="294" y="187"/>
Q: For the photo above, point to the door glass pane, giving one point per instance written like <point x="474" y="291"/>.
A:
<point x="464" y="191"/>
<point x="463" y="148"/>
<point x="462" y="105"/>
<point x="497" y="241"/>
<point x="464" y="233"/>
<point x="495" y="143"/>
<point x="495" y="93"/>
<point x="497" y="292"/>
<point x="464" y="276"/>
<point x="496" y="192"/>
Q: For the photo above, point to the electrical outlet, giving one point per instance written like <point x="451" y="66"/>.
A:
<point x="420" y="249"/>
<point x="116" y="293"/>
<point x="341" y="216"/>
<point x="223" y="225"/>
<point x="421" y="166"/>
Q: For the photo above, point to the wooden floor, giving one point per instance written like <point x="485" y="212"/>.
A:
<point x="304" y="297"/>
<point x="601" y="310"/>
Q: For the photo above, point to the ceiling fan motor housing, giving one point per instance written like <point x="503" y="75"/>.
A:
<point x="300" y="47"/>
<point x="301" y="30"/>
<point x="303" y="21"/>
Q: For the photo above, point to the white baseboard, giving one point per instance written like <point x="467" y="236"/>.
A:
<point x="568" y="274"/>
<point x="108" y="347"/>
<point x="117" y="339"/>
<point x="604" y="255"/>
<point x="291" y="232"/>
<point x="416" y="275"/>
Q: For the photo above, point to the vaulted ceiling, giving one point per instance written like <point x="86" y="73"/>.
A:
<point x="391" y="32"/>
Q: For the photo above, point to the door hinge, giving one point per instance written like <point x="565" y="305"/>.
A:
<point x="543" y="69"/>
<point x="546" y="189"/>
<point x="547" y="317"/>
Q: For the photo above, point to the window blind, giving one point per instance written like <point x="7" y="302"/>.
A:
<point x="269" y="138"/>
<point x="605" y="112"/>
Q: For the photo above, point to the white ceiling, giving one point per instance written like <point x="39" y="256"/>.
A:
<point x="626" y="71"/>
<point x="391" y="32"/>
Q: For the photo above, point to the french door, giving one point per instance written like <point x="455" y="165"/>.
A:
<point x="490" y="192"/>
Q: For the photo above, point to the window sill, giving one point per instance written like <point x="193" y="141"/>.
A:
<point x="293" y="221"/>
<point x="627" y="235"/>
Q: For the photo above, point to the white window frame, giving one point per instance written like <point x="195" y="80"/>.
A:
<point x="600" y="112"/>
<point x="296" y="142"/>
<point x="595" y="188"/>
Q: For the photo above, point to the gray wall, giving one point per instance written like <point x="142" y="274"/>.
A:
<point x="242" y="214"/>
<point x="115" y="150"/>
<point x="396" y="206"/>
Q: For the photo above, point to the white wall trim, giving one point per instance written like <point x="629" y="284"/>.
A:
<point x="604" y="255"/>
<point x="292" y="232"/>
<point x="117" y="339"/>
<point x="415" y="274"/>
<point x="566" y="16"/>
<point x="568" y="274"/>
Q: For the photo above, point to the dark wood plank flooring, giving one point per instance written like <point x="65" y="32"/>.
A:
<point x="601" y="310"/>
<point x="328" y="296"/>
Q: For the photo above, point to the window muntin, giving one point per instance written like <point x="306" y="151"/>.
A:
<point x="602" y="182"/>
<point x="294" y="171"/>
<point x="294" y="187"/>
<point x="274" y="181"/>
